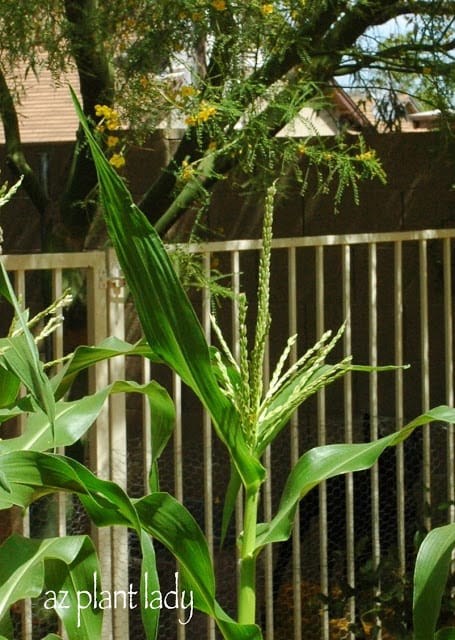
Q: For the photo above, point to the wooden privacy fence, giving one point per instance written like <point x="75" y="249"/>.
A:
<point x="395" y="291"/>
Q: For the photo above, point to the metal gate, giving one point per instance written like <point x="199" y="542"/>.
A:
<point x="396" y="292"/>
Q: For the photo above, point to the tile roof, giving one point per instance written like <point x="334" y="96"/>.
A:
<point x="45" y="111"/>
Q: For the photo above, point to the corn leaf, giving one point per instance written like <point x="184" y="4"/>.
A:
<point x="66" y="563"/>
<point x="327" y="461"/>
<point x="173" y="525"/>
<point x="31" y="474"/>
<point x="73" y="419"/>
<point x="430" y="577"/>
<point x="150" y="582"/>
<point x="448" y="633"/>
<point x="21" y="355"/>
<point x="85" y="357"/>
<point x="168" y="320"/>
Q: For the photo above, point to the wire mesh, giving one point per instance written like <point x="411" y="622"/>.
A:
<point x="346" y="570"/>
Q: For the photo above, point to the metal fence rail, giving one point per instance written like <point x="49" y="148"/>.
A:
<point x="395" y="291"/>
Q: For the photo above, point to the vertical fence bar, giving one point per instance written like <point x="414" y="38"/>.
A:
<point x="118" y="441"/>
<point x="374" y="405"/>
<point x="57" y="354"/>
<point x="146" y="429"/>
<point x="99" y="437"/>
<point x="322" y="440"/>
<point x="449" y="383"/>
<point x="268" y="552"/>
<point x="178" y="461"/>
<point x="373" y="384"/>
<point x="235" y="270"/>
<point x="207" y="434"/>
<point x="348" y="434"/>
<point x="425" y="374"/>
<point x="294" y="431"/>
<point x="399" y="405"/>
<point x="21" y="522"/>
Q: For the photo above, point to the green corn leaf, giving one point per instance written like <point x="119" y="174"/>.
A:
<point x="6" y="628"/>
<point x="149" y="583"/>
<point x="172" y="524"/>
<point x="324" y="462"/>
<point x="85" y="357"/>
<point x="31" y="474"/>
<point x="232" y="491"/>
<point x="29" y="567"/>
<point x="430" y="577"/>
<point x="9" y="387"/>
<point x="448" y="633"/>
<point x="73" y="419"/>
<point x="168" y="320"/>
<point x="21" y="355"/>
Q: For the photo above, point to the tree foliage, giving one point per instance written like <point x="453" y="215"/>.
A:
<point x="230" y="73"/>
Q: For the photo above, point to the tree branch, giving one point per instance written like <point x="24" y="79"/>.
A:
<point x="15" y="156"/>
<point x="97" y="87"/>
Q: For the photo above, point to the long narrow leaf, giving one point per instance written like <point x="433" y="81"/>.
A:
<point x="31" y="474"/>
<point x="324" y="462"/>
<point x="170" y="523"/>
<point x="21" y="355"/>
<point x="167" y="317"/>
<point x="28" y="567"/>
<point x="85" y="357"/>
<point x="73" y="419"/>
<point x="150" y="581"/>
<point x="430" y="577"/>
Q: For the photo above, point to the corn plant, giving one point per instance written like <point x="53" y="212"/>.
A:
<point x="246" y="416"/>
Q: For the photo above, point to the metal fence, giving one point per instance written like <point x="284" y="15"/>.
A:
<point x="354" y="538"/>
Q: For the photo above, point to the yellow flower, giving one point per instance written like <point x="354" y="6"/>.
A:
<point x="102" y="111"/>
<point x="301" y="149"/>
<point x="197" y="16"/>
<point x="113" y="122"/>
<point x="188" y="91"/>
<point x="219" y="5"/>
<point x="117" y="160"/>
<point x="206" y="112"/>
<point x="267" y="9"/>
<point x="109" y="115"/>
<point x="112" y="141"/>
<point x="187" y="170"/>
<point x="366" y="155"/>
<point x="190" y="121"/>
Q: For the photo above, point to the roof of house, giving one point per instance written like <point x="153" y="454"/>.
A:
<point x="46" y="113"/>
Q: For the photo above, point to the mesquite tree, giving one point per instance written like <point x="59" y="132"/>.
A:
<point x="212" y="65"/>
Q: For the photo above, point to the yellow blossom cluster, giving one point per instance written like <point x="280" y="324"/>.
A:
<point x="187" y="171"/>
<point x="206" y="111"/>
<point x="267" y="9"/>
<point x="219" y="5"/>
<point x="117" y="160"/>
<point x="187" y="91"/>
<point x="110" y="121"/>
<point x="366" y="155"/>
<point x="110" y="118"/>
